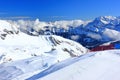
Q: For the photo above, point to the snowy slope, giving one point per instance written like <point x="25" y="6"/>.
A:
<point x="7" y="28"/>
<point x="102" y="65"/>
<point x="25" y="67"/>
<point x="22" y="46"/>
<point x="48" y="57"/>
<point x="21" y="53"/>
<point x="94" y="66"/>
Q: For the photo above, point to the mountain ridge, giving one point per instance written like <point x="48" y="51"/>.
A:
<point x="88" y="33"/>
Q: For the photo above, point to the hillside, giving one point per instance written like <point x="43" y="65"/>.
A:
<point x="103" y="65"/>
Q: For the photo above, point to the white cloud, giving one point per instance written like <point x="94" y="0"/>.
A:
<point x="38" y="25"/>
<point x="112" y="34"/>
<point x="95" y="36"/>
<point x="75" y="37"/>
<point x="66" y="24"/>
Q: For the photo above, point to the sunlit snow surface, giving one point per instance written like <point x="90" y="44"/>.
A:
<point x="21" y="55"/>
<point x="50" y="57"/>
<point x="94" y="66"/>
<point x="102" y="65"/>
<point x="22" y="46"/>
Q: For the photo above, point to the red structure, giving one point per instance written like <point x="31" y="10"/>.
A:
<point x="103" y="47"/>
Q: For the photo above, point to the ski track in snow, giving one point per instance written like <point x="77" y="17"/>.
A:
<point x="48" y="57"/>
<point x="59" y="66"/>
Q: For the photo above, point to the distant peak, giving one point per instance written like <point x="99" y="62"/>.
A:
<point x="37" y="20"/>
<point x="106" y="18"/>
<point x="110" y="17"/>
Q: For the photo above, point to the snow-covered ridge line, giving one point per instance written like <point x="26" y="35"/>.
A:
<point x="88" y="33"/>
<point x="23" y="46"/>
<point x="22" y="51"/>
<point x="38" y="25"/>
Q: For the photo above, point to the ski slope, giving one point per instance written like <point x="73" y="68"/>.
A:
<point x="102" y="65"/>
<point x="22" y="54"/>
<point x="50" y="57"/>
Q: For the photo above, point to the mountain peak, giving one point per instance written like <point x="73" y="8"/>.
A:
<point x="105" y="19"/>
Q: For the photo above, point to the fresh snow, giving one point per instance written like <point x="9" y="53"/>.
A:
<point x="23" y="55"/>
<point x="4" y="24"/>
<point x="23" y="46"/>
<point x="51" y="57"/>
<point x="103" y="65"/>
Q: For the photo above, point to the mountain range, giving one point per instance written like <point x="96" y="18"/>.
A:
<point x="88" y="33"/>
<point x="31" y="50"/>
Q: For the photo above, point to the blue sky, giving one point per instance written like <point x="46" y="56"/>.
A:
<point x="51" y="10"/>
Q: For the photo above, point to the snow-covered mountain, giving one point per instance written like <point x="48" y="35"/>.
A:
<point x="88" y="33"/>
<point x="17" y="48"/>
<point x="93" y="33"/>
<point x="21" y="46"/>
<point x="35" y="50"/>
<point x="7" y="28"/>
